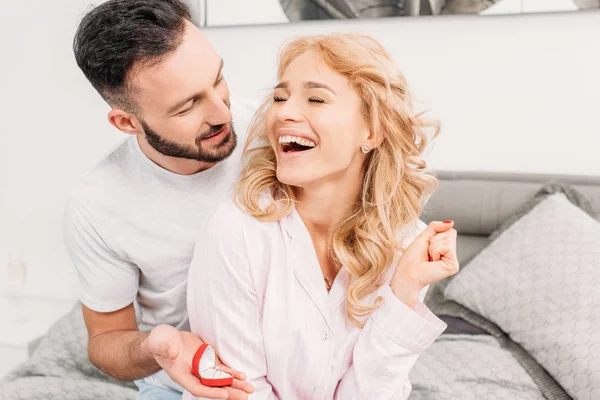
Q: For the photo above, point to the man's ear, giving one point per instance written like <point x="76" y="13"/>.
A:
<point x="125" y="122"/>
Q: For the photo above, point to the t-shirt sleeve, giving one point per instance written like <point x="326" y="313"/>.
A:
<point x="108" y="283"/>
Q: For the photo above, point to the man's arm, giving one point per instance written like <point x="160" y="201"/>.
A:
<point x="109" y="285"/>
<point x="120" y="350"/>
<point x="116" y="346"/>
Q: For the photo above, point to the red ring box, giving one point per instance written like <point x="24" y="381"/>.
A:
<point x="204" y="367"/>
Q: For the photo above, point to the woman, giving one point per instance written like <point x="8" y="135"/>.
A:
<point x="299" y="282"/>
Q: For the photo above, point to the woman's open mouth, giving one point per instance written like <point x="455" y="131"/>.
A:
<point x="295" y="144"/>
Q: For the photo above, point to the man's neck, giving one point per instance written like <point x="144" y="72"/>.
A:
<point x="180" y="166"/>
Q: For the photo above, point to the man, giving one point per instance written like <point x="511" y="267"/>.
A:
<point x="130" y="224"/>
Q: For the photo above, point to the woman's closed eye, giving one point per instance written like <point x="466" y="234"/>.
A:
<point x="278" y="99"/>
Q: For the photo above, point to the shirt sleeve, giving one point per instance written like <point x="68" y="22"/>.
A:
<point x="387" y="348"/>
<point x="222" y="302"/>
<point x="107" y="282"/>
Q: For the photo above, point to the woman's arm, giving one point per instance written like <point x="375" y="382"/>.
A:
<point x="222" y="303"/>
<point x="397" y="332"/>
<point x="388" y="346"/>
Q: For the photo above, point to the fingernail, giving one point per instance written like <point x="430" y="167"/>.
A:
<point x="430" y="259"/>
<point x="448" y="221"/>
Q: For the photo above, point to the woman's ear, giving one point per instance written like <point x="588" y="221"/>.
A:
<point x="372" y="141"/>
<point x="125" y="122"/>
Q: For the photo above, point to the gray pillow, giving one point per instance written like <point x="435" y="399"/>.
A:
<point x="539" y="282"/>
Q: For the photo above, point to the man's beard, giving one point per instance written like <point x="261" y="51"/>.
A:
<point x="219" y="151"/>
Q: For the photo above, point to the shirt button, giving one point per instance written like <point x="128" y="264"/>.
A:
<point x="314" y="390"/>
<point x="326" y="336"/>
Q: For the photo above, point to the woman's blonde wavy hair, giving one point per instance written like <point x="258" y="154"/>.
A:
<point x="395" y="184"/>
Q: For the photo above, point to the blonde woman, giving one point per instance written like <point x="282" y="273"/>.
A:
<point x="311" y="280"/>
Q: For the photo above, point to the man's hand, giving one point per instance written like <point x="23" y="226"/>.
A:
<point x="174" y="350"/>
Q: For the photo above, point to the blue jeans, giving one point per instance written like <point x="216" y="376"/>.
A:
<point x="150" y="392"/>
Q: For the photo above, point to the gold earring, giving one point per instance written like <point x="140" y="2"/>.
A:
<point x="365" y="149"/>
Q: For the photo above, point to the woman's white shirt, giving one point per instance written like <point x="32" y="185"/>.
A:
<point x="257" y="295"/>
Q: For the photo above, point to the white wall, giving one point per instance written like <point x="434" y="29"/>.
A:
<point x="53" y="129"/>
<point x="514" y="94"/>
<point x="221" y="12"/>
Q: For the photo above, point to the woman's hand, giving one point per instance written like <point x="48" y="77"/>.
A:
<point x="431" y="257"/>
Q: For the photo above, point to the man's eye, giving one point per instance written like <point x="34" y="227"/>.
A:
<point x="187" y="110"/>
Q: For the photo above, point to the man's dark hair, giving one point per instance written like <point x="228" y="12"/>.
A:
<point x="119" y="35"/>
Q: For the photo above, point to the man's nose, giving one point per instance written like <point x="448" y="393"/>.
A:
<point x="218" y="112"/>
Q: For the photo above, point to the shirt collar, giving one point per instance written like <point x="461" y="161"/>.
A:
<point x="289" y="223"/>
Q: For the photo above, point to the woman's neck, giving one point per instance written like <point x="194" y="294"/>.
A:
<point x="324" y="206"/>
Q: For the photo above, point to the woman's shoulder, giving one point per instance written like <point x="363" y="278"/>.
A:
<point x="228" y="220"/>
<point x="228" y="216"/>
<point x="234" y="241"/>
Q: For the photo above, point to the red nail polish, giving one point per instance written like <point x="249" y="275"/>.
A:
<point x="448" y="221"/>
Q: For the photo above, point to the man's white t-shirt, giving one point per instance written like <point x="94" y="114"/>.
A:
<point x="130" y="227"/>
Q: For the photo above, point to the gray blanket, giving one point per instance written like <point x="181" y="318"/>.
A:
<point x="59" y="369"/>
<point x="470" y="367"/>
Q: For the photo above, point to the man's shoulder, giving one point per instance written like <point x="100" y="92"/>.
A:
<point x="104" y="177"/>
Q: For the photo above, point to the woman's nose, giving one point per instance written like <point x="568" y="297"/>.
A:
<point x="289" y="111"/>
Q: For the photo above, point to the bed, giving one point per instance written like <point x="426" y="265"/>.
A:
<point x="505" y="340"/>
